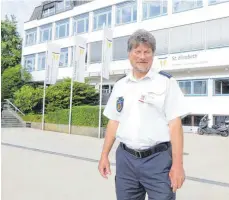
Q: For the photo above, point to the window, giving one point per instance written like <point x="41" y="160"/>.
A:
<point x="192" y="120"/>
<point x="181" y="5"/>
<point x="56" y="7"/>
<point x="105" y="89"/>
<point x="120" y="48"/>
<point x="162" y="40"/>
<point x="29" y="63"/>
<point x="187" y="121"/>
<point x="80" y="24"/>
<point x="60" y="6"/>
<point x="63" y="5"/>
<point x="95" y="52"/>
<point x="64" y="57"/>
<point x="154" y="8"/>
<point x="126" y="13"/>
<point x="220" y="119"/>
<point x="193" y="87"/>
<point x="211" y="2"/>
<point x="100" y="17"/>
<point x="41" y="61"/>
<point x="221" y="86"/>
<point x="217" y="33"/>
<point x="199" y="87"/>
<point x="48" y="11"/>
<point x="67" y="3"/>
<point x="31" y="37"/>
<point x="187" y="38"/>
<point x="62" y="29"/>
<point x="185" y="86"/>
<point x="45" y="33"/>
<point x="197" y="119"/>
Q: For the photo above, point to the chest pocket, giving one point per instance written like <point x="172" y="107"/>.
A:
<point x="155" y="97"/>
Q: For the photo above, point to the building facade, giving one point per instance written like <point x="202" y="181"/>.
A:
<point x="192" y="44"/>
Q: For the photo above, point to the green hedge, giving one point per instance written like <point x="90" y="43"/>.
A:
<point x="81" y="116"/>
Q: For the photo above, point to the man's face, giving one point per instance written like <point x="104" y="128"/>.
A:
<point x="141" y="58"/>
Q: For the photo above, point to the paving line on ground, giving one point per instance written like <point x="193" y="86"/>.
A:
<point x="201" y="180"/>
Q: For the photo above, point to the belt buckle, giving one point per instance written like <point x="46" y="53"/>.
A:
<point x="138" y="154"/>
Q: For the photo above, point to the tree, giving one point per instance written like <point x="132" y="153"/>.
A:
<point x="10" y="43"/>
<point x="12" y="81"/>
<point x="29" y="99"/>
<point x="58" y="95"/>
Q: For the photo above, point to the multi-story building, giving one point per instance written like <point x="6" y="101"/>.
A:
<point x="192" y="44"/>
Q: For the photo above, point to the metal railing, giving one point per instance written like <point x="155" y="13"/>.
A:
<point x="13" y="107"/>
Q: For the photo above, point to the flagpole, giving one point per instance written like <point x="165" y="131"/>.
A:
<point x="100" y="102"/>
<point x="70" y="111"/>
<point x="101" y="85"/>
<point x="46" y="68"/>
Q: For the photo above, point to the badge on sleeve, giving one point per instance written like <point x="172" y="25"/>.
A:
<point x="119" y="104"/>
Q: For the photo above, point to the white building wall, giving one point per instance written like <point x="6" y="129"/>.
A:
<point x="207" y="64"/>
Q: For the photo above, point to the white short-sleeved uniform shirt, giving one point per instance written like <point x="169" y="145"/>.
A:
<point x="144" y="108"/>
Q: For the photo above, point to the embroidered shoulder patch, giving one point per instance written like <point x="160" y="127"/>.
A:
<point x="119" y="104"/>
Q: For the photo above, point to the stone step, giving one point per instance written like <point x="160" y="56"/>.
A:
<point x="10" y="126"/>
<point x="11" y="121"/>
<point x="5" y="117"/>
<point x="8" y="119"/>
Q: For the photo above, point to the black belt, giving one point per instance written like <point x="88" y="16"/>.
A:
<point x="144" y="153"/>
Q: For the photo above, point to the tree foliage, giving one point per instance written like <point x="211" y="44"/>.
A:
<point x="12" y="81"/>
<point x="58" y="95"/>
<point x="29" y="99"/>
<point x="10" y="43"/>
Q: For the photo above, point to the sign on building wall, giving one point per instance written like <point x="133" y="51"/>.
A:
<point x="216" y="57"/>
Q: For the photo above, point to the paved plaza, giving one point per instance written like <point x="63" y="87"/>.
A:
<point x="44" y="165"/>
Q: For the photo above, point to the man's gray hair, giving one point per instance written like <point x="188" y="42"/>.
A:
<point x="141" y="36"/>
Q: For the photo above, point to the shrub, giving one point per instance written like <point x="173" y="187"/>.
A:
<point x="81" y="116"/>
<point x="29" y="99"/>
<point x="58" y="95"/>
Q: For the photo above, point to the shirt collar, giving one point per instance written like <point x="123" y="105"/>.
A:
<point x="151" y="74"/>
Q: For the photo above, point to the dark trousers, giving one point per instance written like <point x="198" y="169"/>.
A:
<point x="137" y="176"/>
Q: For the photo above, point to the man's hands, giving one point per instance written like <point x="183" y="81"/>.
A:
<point x="104" y="167"/>
<point x="177" y="176"/>
<point x="104" y="164"/>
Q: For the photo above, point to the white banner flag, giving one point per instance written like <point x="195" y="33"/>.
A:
<point x="107" y="52"/>
<point x="52" y="66"/>
<point x="79" y="59"/>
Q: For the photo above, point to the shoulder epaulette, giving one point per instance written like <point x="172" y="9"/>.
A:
<point x="121" y="78"/>
<point x="163" y="73"/>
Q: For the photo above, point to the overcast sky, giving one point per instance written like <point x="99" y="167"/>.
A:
<point x="22" y="9"/>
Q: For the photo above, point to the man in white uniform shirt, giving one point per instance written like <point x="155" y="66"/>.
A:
<point x="144" y="112"/>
